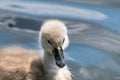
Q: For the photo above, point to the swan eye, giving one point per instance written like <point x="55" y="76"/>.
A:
<point x="49" y="41"/>
<point x="63" y="40"/>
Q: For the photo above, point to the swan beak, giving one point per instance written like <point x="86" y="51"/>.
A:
<point x="59" y="57"/>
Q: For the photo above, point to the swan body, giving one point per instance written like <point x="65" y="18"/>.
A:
<point x="18" y="63"/>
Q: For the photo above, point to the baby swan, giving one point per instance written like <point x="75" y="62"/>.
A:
<point x="17" y="63"/>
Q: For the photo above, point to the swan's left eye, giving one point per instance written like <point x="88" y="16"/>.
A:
<point x="49" y="41"/>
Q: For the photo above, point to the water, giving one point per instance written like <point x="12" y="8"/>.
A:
<point x="93" y="26"/>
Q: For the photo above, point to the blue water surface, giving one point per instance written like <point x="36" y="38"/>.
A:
<point x="93" y="29"/>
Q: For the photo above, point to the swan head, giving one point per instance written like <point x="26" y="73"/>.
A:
<point x="54" y="40"/>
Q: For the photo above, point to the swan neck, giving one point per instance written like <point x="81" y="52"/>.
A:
<point x="49" y="63"/>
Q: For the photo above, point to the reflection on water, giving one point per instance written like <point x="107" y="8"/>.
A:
<point x="94" y="52"/>
<point x="96" y="36"/>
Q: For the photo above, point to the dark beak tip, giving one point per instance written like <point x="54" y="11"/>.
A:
<point x="59" y="57"/>
<point x="61" y="65"/>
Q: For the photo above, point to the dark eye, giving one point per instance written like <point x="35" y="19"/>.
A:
<point x="63" y="40"/>
<point x="49" y="42"/>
